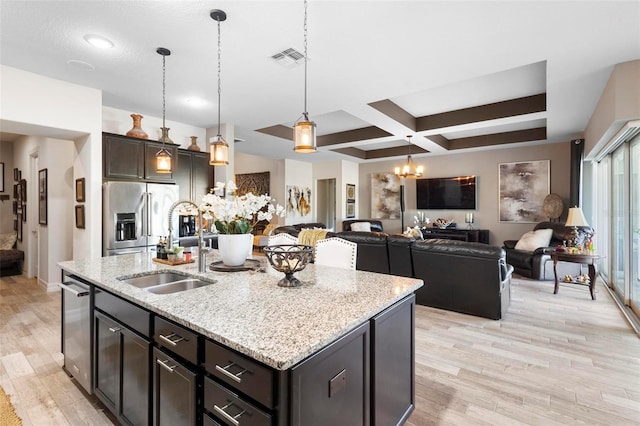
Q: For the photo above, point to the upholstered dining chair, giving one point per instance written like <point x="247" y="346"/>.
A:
<point x="336" y="252"/>
<point x="282" y="238"/>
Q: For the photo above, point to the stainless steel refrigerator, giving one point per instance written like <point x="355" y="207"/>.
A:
<point x="136" y="215"/>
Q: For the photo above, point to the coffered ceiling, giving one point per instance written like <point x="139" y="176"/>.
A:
<point x="457" y="76"/>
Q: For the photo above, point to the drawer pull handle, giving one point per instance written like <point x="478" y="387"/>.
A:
<point x="168" y="339"/>
<point x="166" y="366"/>
<point x="232" y="419"/>
<point x="114" y="329"/>
<point x="225" y="370"/>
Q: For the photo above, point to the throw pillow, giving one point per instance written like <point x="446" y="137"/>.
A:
<point x="534" y="239"/>
<point x="7" y="241"/>
<point x="361" y="226"/>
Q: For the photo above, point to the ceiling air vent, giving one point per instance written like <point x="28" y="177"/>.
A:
<point x="288" y="58"/>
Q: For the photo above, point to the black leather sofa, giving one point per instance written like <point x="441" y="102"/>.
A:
<point x="373" y="254"/>
<point x="471" y="278"/>
<point x="466" y="277"/>
<point x="537" y="264"/>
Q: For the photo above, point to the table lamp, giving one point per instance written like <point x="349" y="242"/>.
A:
<point x="575" y="219"/>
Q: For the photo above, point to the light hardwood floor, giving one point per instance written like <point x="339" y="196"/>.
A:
<point x="554" y="359"/>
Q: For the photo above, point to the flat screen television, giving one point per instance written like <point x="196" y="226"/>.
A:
<point x="453" y="193"/>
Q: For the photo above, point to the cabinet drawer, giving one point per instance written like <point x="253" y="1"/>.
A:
<point x="126" y="312"/>
<point x="208" y="421"/>
<point x="240" y="372"/>
<point x="230" y="409"/>
<point x="177" y="339"/>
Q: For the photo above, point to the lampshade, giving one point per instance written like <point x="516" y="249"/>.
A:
<point x="576" y="217"/>
<point x="163" y="161"/>
<point x="304" y="136"/>
<point x="219" y="155"/>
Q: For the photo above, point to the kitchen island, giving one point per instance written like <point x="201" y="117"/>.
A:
<point x="256" y="353"/>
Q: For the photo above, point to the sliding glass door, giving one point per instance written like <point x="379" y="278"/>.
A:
<point x="618" y="220"/>
<point x="634" y="156"/>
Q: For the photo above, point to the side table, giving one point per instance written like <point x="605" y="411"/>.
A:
<point x="583" y="258"/>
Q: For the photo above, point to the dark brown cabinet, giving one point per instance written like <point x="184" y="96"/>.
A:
<point x="131" y="159"/>
<point x="175" y="390"/>
<point x="332" y="386"/>
<point x="393" y="364"/>
<point x="470" y="235"/>
<point x="122" y="373"/>
<point x="193" y="175"/>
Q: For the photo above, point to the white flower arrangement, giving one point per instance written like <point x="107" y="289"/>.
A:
<point x="237" y="214"/>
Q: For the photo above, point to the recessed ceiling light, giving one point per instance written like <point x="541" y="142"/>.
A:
<point x="81" y="64"/>
<point x="196" y="102"/>
<point x="98" y="41"/>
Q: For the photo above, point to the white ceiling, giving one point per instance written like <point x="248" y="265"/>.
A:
<point x="427" y="57"/>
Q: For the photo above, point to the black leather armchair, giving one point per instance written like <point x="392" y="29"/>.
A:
<point x="471" y="278"/>
<point x="537" y="264"/>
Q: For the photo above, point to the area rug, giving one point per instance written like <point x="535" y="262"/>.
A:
<point x="8" y="416"/>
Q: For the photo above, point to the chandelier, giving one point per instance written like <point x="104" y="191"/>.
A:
<point x="409" y="170"/>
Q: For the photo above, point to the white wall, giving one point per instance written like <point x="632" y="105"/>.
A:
<point x="619" y="103"/>
<point x="35" y="105"/>
<point x="119" y="121"/>
<point x="484" y="165"/>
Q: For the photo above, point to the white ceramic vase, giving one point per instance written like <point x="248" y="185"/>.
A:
<point x="234" y="248"/>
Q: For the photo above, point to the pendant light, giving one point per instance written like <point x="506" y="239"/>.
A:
<point x="219" y="147"/>
<point x="163" y="157"/>
<point x="304" y="131"/>
<point x="409" y="170"/>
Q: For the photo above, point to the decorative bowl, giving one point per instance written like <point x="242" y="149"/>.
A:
<point x="289" y="258"/>
<point x="442" y="223"/>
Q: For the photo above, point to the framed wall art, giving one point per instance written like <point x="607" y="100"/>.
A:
<point x="351" y="209"/>
<point x="42" y="197"/>
<point x="351" y="192"/>
<point x="80" y="190"/>
<point x="80" y="216"/>
<point x="16" y="174"/>
<point x="385" y="196"/>
<point x="522" y="188"/>
<point x="1" y="177"/>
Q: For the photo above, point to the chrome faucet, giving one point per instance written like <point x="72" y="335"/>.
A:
<point x="202" y="250"/>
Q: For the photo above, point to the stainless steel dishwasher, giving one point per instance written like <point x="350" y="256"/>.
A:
<point x="76" y="330"/>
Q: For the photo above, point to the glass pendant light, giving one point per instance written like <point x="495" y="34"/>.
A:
<point x="304" y="131"/>
<point x="409" y="170"/>
<point x="163" y="157"/>
<point x="219" y="148"/>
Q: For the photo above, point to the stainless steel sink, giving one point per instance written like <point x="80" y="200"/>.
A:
<point x="166" y="282"/>
<point x="154" y="279"/>
<point x="178" y="286"/>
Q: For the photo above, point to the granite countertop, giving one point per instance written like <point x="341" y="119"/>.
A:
<point x="248" y="312"/>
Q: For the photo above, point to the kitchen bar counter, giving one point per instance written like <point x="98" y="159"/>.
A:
<point x="248" y="312"/>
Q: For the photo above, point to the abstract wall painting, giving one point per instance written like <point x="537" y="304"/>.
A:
<point x="298" y="204"/>
<point x="385" y="196"/>
<point x="523" y="187"/>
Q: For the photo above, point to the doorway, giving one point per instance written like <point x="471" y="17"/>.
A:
<point x="326" y="199"/>
<point x="33" y="226"/>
